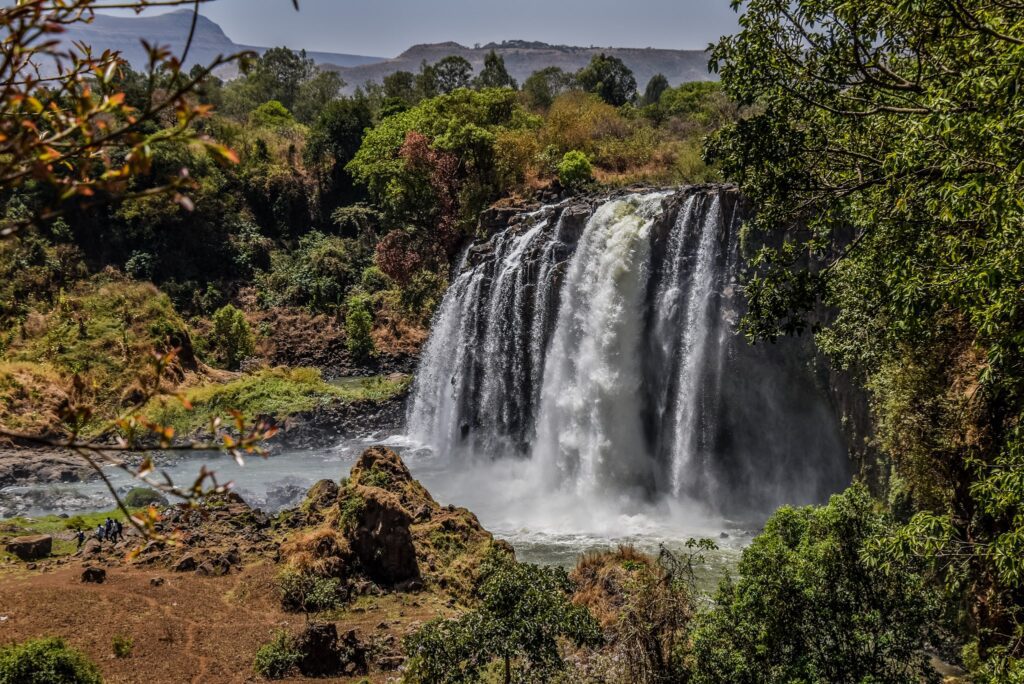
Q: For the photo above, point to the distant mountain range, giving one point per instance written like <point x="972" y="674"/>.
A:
<point x="125" y="34"/>
<point x="521" y="57"/>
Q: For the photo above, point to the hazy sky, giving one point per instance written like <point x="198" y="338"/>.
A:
<point x="386" y="27"/>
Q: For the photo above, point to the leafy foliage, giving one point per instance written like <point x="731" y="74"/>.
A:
<point x="574" y="170"/>
<point x="275" y="660"/>
<point x="46" y="661"/>
<point x="892" y="132"/>
<point x="358" y="329"/>
<point x="309" y="593"/>
<point x="231" y="338"/>
<point x="524" y="610"/>
<point x="810" y="606"/>
<point x="609" y="78"/>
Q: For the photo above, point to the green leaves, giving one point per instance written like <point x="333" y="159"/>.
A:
<point x="524" y="610"/>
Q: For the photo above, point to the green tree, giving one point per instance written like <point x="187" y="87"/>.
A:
<point x="574" y="171"/>
<point x="358" y="329"/>
<point x="231" y="337"/>
<point x="524" y="611"/>
<point x="810" y="606"/>
<point x="316" y="93"/>
<point x="655" y="87"/>
<point x="401" y="85"/>
<point x="463" y="125"/>
<point x="272" y="114"/>
<point x="893" y="134"/>
<point x="609" y="78"/>
<point x="318" y="274"/>
<point x="333" y="141"/>
<point x="451" y="73"/>
<point x="494" y="74"/>
<point x="279" y="74"/>
<point x="542" y="86"/>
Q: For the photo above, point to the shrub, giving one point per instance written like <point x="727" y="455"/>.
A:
<point x="524" y="611"/>
<point x="276" y="659"/>
<point x="302" y="592"/>
<point x="123" y="646"/>
<point x="231" y="338"/>
<point x="317" y="275"/>
<point x="358" y="329"/>
<point x="809" y="606"/>
<point x="48" y="661"/>
<point x="574" y="171"/>
<point x="374" y="280"/>
<point x="141" y="497"/>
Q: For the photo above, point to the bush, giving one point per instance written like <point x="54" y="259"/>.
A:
<point x="525" y="610"/>
<point x="810" y="607"/>
<point x="123" y="646"/>
<point x="358" y="329"/>
<point x="374" y="280"/>
<point x="46" y="661"/>
<point x="302" y="592"/>
<point x="574" y="171"/>
<point x="141" y="497"/>
<point x="277" y="658"/>
<point x="317" y="275"/>
<point x="231" y="338"/>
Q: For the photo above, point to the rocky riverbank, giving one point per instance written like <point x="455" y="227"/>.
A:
<point x="218" y="581"/>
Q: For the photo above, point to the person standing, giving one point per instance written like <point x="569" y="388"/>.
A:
<point x="80" y="537"/>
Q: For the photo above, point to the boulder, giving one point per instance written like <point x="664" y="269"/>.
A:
<point x="381" y="539"/>
<point x="382" y="460"/>
<point x="91" y="547"/>
<point x="215" y="567"/>
<point x="94" y="575"/>
<point x="31" y="548"/>
<point x="322" y="655"/>
<point x="574" y="220"/>
<point x="321" y="495"/>
<point x="186" y="563"/>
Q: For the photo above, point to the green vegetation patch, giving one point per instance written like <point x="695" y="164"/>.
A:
<point x="276" y="392"/>
<point x="47" y="660"/>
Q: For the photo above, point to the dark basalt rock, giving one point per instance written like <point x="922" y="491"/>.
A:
<point x="31" y="548"/>
<point x="94" y="575"/>
<point x="381" y="539"/>
<point x="322" y="655"/>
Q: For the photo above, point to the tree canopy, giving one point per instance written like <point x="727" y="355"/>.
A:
<point x="892" y="134"/>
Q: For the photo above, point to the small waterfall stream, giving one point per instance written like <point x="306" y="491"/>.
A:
<point x="597" y="345"/>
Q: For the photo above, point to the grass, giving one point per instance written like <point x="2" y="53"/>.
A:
<point x="91" y="344"/>
<point x="54" y="526"/>
<point x="277" y="392"/>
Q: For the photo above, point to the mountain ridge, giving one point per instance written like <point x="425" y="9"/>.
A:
<point x="522" y="57"/>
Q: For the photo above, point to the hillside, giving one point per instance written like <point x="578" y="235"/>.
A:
<point x="125" y="34"/>
<point x="522" y="58"/>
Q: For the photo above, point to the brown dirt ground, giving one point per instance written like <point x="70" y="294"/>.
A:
<point x="191" y="629"/>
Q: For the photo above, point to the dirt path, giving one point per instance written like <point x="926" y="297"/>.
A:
<point x="189" y="629"/>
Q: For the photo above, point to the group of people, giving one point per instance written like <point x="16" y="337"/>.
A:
<point x="110" y="530"/>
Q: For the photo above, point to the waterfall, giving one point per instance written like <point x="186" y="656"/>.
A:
<point x="598" y="345"/>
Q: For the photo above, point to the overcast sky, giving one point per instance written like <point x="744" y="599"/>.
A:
<point x="386" y="27"/>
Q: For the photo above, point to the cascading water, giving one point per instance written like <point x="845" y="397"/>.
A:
<point x="595" y="347"/>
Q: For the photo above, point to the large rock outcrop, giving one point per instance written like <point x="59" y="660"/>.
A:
<point x="31" y="548"/>
<point x="382" y="525"/>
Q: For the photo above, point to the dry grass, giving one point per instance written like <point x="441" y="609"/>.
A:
<point x="321" y="552"/>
